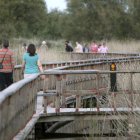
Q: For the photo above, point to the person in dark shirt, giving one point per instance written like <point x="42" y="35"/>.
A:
<point x="85" y="48"/>
<point x="68" y="47"/>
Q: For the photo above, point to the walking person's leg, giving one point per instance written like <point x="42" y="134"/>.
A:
<point x="9" y="79"/>
<point x="2" y="81"/>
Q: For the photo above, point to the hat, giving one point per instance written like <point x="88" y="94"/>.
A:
<point x="43" y="42"/>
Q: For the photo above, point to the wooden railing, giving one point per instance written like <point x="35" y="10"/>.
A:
<point x="17" y="106"/>
<point x="90" y="62"/>
<point x="17" y="102"/>
<point x="79" y="83"/>
<point x="63" y="56"/>
<point x="52" y="55"/>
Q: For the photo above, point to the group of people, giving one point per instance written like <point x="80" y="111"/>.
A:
<point x="42" y="45"/>
<point x="93" y="48"/>
<point x="31" y="64"/>
<point x="100" y="48"/>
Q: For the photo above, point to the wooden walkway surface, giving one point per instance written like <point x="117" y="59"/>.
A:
<point x="70" y="114"/>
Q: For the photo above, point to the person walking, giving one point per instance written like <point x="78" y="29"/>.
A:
<point x="85" y="48"/>
<point x="44" y="45"/>
<point x="24" y="47"/>
<point x="78" y="48"/>
<point x="31" y="63"/>
<point x="68" y="47"/>
<point x="6" y="66"/>
<point x="104" y="48"/>
<point x="94" y="47"/>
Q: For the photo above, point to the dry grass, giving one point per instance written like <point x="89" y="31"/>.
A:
<point x="58" y="46"/>
<point x="124" y="46"/>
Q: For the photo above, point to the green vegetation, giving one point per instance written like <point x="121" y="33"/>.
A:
<point x="22" y="18"/>
<point x="83" y="20"/>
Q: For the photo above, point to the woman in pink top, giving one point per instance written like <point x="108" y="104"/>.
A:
<point x="94" y="47"/>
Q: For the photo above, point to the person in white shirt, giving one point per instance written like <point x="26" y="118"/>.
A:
<point x="103" y="48"/>
<point x="44" y="44"/>
<point x="78" y="48"/>
<point x="99" y="48"/>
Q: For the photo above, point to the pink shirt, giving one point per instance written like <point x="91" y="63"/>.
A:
<point x="94" y="48"/>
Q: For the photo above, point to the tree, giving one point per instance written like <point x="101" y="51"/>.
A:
<point x="136" y="18"/>
<point x="99" y="19"/>
<point x="22" y="17"/>
<point x="53" y="29"/>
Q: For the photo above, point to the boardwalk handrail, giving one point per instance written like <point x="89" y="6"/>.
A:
<point x="17" y="102"/>
<point x="51" y="65"/>
<point x="60" y="80"/>
<point x="63" y="72"/>
<point x="90" y="61"/>
<point x="67" y="56"/>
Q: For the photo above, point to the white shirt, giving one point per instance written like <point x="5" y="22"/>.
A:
<point x="79" y="48"/>
<point x="103" y="49"/>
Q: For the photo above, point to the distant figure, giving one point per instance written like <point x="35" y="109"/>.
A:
<point x="24" y="47"/>
<point x="44" y="44"/>
<point x="78" y="48"/>
<point x="86" y="48"/>
<point x="31" y="63"/>
<point x="103" y="48"/>
<point x="7" y="66"/>
<point x="68" y="47"/>
<point x="94" y="47"/>
<point x="99" y="48"/>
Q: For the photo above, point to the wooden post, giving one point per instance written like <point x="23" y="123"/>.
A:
<point x="45" y="88"/>
<point x="98" y="92"/>
<point x="131" y="90"/>
<point x="58" y="90"/>
<point x="113" y="100"/>
<point x="63" y="91"/>
<point x="131" y="117"/>
<point x="78" y="102"/>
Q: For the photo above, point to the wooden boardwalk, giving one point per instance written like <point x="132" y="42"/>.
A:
<point x="78" y="79"/>
<point x="70" y="114"/>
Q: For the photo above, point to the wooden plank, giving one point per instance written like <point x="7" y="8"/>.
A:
<point x="22" y="135"/>
<point x="70" y="117"/>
